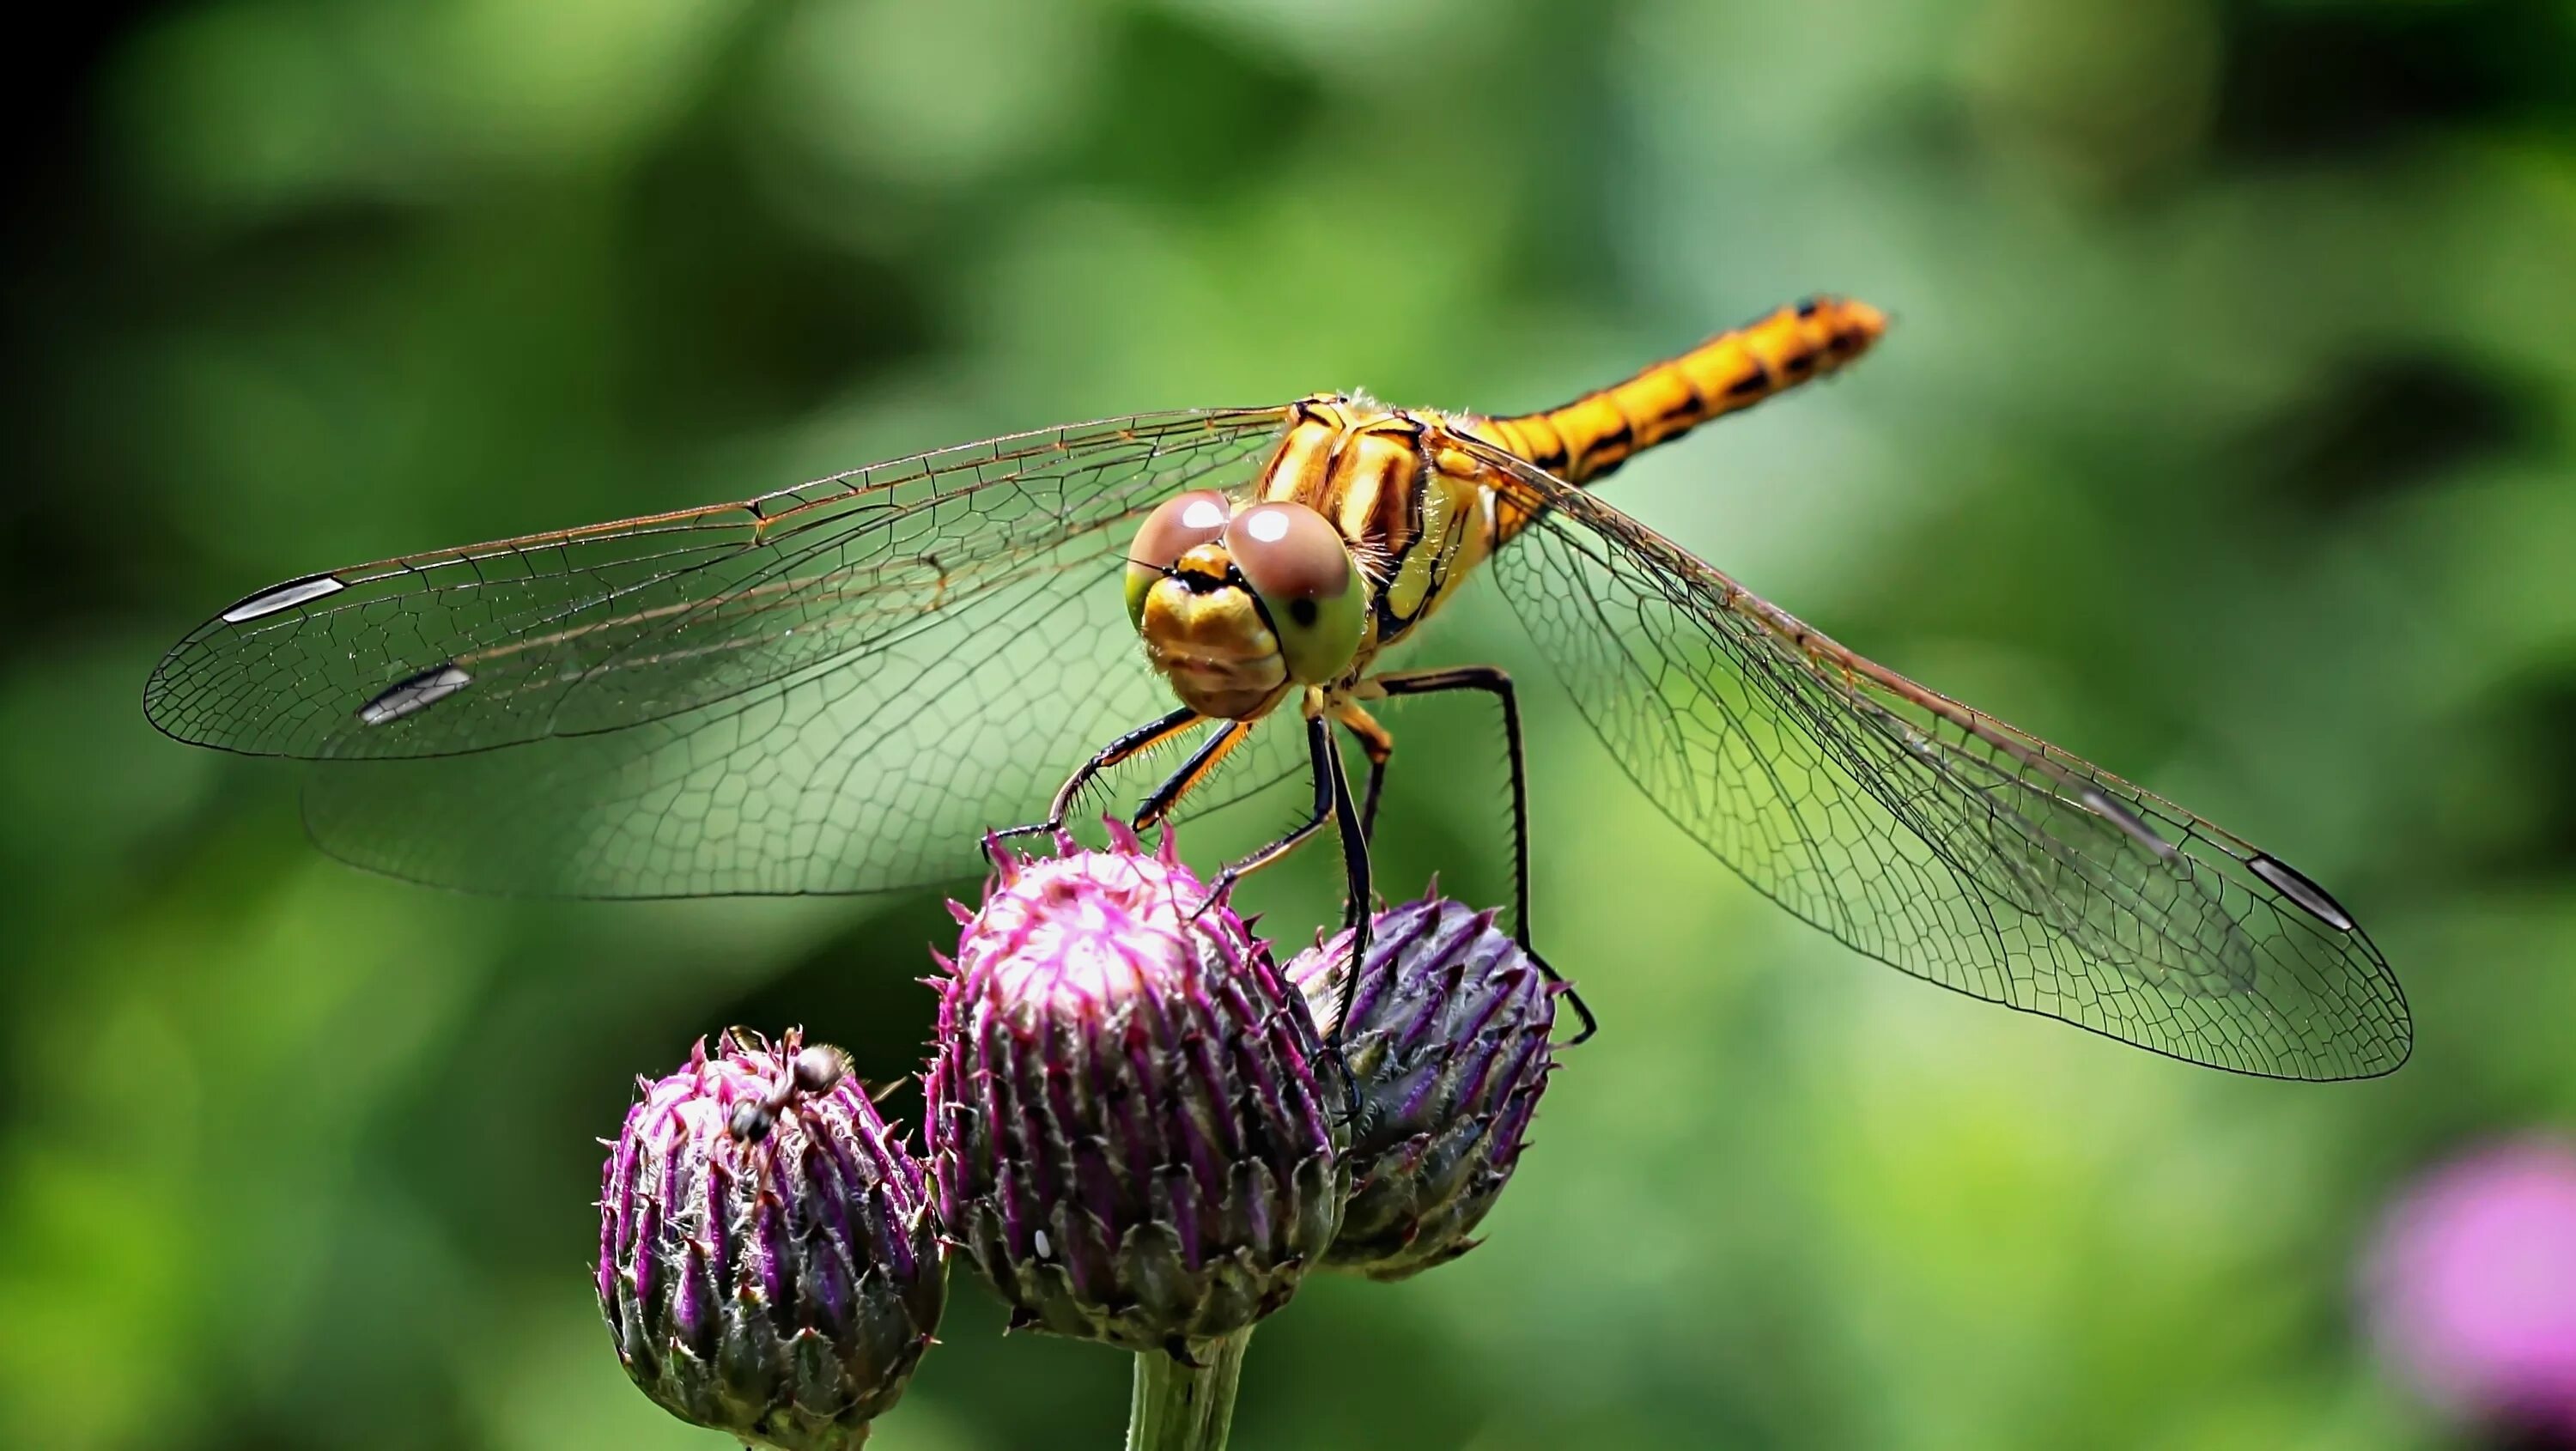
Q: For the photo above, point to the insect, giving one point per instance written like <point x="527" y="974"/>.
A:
<point x="813" y="1069"/>
<point x="836" y="687"/>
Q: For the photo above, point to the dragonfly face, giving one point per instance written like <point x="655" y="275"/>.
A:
<point x="1237" y="605"/>
<point x="841" y="687"/>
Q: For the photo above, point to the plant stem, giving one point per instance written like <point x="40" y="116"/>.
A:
<point x="1186" y="1408"/>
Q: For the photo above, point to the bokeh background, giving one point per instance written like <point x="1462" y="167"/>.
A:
<point x="2223" y="436"/>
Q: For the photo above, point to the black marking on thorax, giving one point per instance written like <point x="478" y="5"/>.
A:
<point x="1392" y="625"/>
<point x="1393" y="526"/>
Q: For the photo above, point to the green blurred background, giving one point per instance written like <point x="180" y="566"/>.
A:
<point x="2223" y="437"/>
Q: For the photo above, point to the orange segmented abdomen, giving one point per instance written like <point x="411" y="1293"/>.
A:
<point x="1596" y="433"/>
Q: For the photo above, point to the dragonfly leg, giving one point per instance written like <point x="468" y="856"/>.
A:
<point x="1143" y="738"/>
<point x="1356" y="876"/>
<point x="1193" y="771"/>
<point x="1323" y="760"/>
<point x="1377" y="743"/>
<point x="1332" y="804"/>
<point x="1498" y="683"/>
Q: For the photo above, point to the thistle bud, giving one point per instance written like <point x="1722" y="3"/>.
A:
<point x="1446" y="1037"/>
<point x="1127" y="1126"/>
<point x="768" y="1261"/>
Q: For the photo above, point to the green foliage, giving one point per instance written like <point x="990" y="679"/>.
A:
<point x="2221" y="437"/>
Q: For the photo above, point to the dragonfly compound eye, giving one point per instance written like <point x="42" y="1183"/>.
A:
<point x="1177" y="526"/>
<point x="1303" y="571"/>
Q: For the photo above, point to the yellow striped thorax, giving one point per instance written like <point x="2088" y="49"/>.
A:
<point x="1413" y="505"/>
<point x="1366" y="519"/>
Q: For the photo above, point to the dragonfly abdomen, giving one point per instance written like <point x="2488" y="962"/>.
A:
<point x="1587" y="438"/>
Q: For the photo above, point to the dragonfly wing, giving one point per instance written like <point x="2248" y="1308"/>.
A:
<point x="616" y="625"/>
<point x="1927" y="835"/>
<point x="842" y="778"/>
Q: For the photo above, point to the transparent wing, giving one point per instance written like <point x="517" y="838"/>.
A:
<point x="836" y="689"/>
<point x="1929" y="836"/>
<point x="606" y="627"/>
<point x="852" y="777"/>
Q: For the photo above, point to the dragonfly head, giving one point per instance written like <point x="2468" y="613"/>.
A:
<point x="1234" y="606"/>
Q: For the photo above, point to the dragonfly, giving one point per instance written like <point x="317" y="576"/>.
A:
<point x="842" y="687"/>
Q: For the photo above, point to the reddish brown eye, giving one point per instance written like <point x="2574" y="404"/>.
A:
<point x="1308" y="585"/>
<point x="1179" y="525"/>
<point x="1288" y="553"/>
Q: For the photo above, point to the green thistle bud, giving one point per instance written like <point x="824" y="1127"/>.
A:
<point x="1447" y="1039"/>
<point x="1129" y="1133"/>
<point x="768" y="1263"/>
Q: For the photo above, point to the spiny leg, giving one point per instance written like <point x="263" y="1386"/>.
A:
<point x="1197" y="768"/>
<point x="1332" y="803"/>
<point x="1498" y="683"/>
<point x="1321" y="761"/>
<point x="1143" y="738"/>
<point x="1356" y="877"/>
<point x="1377" y="743"/>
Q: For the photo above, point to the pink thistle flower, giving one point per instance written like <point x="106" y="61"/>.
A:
<point x="1131" y="1123"/>
<point x="768" y="1263"/>
<point x="2472" y="1287"/>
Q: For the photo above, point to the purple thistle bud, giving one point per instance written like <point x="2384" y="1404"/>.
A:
<point x="2472" y="1286"/>
<point x="1447" y="1036"/>
<point x="768" y="1262"/>
<point x="1132" y="1136"/>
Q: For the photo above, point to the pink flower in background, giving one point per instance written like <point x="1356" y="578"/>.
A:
<point x="2473" y="1288"/>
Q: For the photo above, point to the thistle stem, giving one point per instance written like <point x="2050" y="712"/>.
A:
<point x="1182" y="1407"/>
